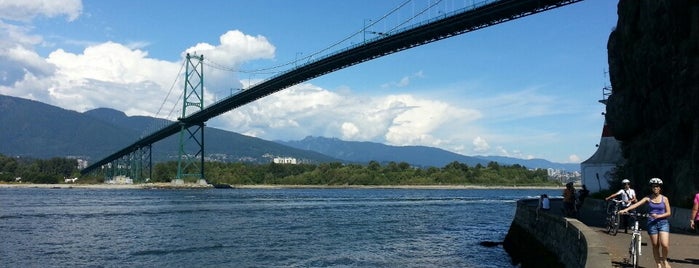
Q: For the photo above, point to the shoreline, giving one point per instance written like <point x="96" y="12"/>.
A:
<point x="166" y="185"/>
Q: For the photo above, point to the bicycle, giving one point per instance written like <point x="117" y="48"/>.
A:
<point x="635" y="246"/>
<point x="613" y="216"/>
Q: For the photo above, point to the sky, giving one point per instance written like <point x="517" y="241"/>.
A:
<point x="527" y="88"/>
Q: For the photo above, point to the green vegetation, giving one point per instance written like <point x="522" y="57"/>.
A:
<point x="374" y="173"/>
<point x="55" y="170"/>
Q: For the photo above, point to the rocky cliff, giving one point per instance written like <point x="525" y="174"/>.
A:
<point x="654" y="106"/>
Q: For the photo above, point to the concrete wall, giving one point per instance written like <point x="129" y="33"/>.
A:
<point x="546" y="239"/>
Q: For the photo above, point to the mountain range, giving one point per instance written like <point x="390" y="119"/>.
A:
<point x="38" y="130"/>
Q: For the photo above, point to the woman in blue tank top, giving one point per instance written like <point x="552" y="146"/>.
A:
<point x="658" y="225"/>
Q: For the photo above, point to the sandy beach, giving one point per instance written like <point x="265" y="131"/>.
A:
<point x="166" y="185"/>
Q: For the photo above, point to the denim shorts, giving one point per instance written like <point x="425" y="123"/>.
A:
<point x="656" y="226"/>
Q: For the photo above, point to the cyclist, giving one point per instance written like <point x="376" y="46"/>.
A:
<point x="628" y="197"/>
<point x="658" y="224"/>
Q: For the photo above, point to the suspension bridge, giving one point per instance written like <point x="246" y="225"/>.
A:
<point x="136" y="157"/>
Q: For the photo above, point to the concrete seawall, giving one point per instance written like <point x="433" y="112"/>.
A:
<point x="546" y="239"/>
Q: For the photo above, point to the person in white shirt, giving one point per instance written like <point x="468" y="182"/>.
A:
<point x="628" y="197"/>
<point x="544" y="204"/>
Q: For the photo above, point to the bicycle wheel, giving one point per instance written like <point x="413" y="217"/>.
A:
<point x="634" y="251"/>
<point x="614" y="224"/>
<point x="609" y="223"/>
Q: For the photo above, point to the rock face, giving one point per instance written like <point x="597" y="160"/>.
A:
<point x="654" y="106"/>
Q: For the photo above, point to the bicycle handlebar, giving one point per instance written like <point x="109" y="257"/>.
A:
<point x="635" y="214"/>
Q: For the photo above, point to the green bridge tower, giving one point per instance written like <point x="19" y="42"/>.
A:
<point x="192" y="164"/>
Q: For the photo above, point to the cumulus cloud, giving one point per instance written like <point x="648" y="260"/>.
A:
<point x="17" y="55"/>
<point x="234" y="49"/>
<point x="26" y="10"/>
<point x="349" y="130"/>
<point x="480" y="145"/>
<point x="306" y="109"/>
<point x="18" y="61"/>
<point x="119" y="76"/>
<point x="105" y="75"/>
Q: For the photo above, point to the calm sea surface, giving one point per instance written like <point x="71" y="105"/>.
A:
<point x="256" y="227"/>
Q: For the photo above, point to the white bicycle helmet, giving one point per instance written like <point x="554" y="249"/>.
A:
<point x="656" y="181"/>
<point x="626" y="181"/>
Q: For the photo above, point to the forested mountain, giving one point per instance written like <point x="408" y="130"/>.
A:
<point x="37" y="130"/>
<point x="363" y="152"/>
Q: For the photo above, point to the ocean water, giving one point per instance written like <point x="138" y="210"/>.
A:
<point x="256" y="227"/>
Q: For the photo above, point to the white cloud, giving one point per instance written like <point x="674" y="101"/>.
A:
<point x="234" y="49"/>
<point x="17" y="55"/>
<point x="118" y="76"/>
<point x="574" y="158"/>
<point x="349" y="130"/>
<point x="305" y="109"/>
<point x="480" y="145"/>
<point x="403" y="82"/>
<point x="13" y="35"/>
<point x="110" y="75"/>
<point x="26" y="10"/>
<point x="18" y="61"/>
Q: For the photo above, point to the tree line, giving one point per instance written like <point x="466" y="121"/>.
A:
<point x="55" y="170"/>
<point x="373" y="173"/>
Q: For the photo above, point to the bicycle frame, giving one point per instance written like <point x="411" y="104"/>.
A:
<point x="635" y="246"/>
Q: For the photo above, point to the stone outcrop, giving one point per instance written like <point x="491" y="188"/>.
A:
<point x="654" y="106"/>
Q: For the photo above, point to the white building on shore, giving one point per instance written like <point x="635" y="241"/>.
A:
<point x="600" y="167"/>
<point x="120" y="180"/>
<point x="285" y="160"/>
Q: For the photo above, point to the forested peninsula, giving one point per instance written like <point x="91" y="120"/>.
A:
<point x="56" y="170"/>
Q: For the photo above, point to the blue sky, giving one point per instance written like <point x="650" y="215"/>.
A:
<point x="526" y="88"/>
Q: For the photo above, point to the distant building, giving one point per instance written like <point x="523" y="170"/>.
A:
<point x="82" y="163"/>
<point x="120" y="180"/>
<point x="284" y="160"/>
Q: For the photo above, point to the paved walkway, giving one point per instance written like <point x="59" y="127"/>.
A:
<point x="684" y="247"/>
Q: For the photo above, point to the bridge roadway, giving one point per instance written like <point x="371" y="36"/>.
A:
<point x="446" y="26"/>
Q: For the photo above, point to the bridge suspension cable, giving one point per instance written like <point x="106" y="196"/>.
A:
<point x="153" y="127"/>
<point x="269" y="70"/>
